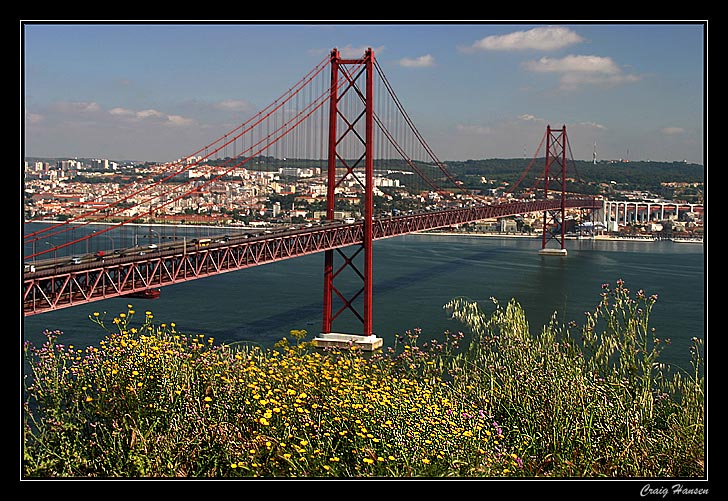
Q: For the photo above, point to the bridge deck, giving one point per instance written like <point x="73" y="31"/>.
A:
<point x="67" y="285"/>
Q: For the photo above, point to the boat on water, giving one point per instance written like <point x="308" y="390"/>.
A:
<point x="145" y="294"/>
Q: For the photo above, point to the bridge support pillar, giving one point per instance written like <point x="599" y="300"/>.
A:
<point x="345" y="154"/>
<point x="554" y="221"/>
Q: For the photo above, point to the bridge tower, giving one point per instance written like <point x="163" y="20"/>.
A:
<point x="553" y="220"/>
<point x="350" y="149"/>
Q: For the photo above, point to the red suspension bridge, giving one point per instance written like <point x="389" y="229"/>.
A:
<point x="348" y="125"/>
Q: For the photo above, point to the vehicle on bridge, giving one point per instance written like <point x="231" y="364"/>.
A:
<point x="153" y="293"/>
<point x="201" y="242"/>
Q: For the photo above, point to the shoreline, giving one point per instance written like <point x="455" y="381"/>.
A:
<point x="605" y="238"/>
<point x="476" y="234"/>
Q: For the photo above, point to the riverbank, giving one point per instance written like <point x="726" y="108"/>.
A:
<point x="609" y="238"/>
<point x="478" y="234"/>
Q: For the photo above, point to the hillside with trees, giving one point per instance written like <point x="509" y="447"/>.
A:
<point x="664" y="179"/>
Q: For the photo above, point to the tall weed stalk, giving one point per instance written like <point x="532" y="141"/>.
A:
<point x="589" y="401"/>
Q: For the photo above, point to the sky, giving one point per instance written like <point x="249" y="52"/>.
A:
<point x="474" y="90"/>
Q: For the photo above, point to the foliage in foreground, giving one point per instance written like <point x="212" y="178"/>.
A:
<point x="590" y="402"/>
<point x="150" y="401"/>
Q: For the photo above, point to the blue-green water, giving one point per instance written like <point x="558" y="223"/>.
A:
<point x="414" y="276"/>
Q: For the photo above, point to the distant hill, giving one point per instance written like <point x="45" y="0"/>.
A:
<point x="481" y="174"/>
<point x="640" y="175"/>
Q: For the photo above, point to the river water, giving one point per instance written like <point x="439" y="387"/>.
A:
<point x="414" y="276"/>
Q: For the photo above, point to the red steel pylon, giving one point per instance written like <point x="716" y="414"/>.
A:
<point x="554" y="221"/>
<point x="349" y="104"/>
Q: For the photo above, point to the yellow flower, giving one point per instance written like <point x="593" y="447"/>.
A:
<point x="208" y="399"/>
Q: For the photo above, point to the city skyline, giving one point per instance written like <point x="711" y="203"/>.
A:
<point x="158" y="92"/>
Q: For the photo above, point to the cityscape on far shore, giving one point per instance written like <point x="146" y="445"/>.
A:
<point x="270" y="193"/>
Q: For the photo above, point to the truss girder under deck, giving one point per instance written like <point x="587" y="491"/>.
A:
<point x="66" y="286"/>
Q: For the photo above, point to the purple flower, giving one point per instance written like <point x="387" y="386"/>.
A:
<point x="498" y="429"/>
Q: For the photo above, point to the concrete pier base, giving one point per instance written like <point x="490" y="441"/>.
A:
<point x="345" y="341"/>
<point x="552" y="252"/>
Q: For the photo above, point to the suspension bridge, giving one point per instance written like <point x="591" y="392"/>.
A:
<point x="346" y="124"/>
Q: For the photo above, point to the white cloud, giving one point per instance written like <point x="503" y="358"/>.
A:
<point x="574" y="64"/>
<point x="234" y="105"/>
<point x="530" y="118"/>
<point x="350" y="52"/>
<point x="150" y="115"/>
<point x="499" y="128"/>
<point x="592" y="125"/>
<point x="543" y="38"/>
<point x="176" y="120"/>
<point x="121" y="112"/>
<point x="508" y="137"/>
<point x="477" y="130"/>
<point x="581" y="70"/>
<point x="76" y="107"/>
<point x="516" y="137"/>
<point x="418" y="62"/>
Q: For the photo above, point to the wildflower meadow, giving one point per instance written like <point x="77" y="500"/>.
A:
<point x="495" y="401"/>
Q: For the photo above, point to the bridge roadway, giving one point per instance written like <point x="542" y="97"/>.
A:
<point x="64" y="285"/>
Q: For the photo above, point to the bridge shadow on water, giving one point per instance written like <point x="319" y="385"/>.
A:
<point x="272" y="328"/>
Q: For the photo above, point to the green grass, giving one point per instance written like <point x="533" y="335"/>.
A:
<point x="569" y="401"/>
